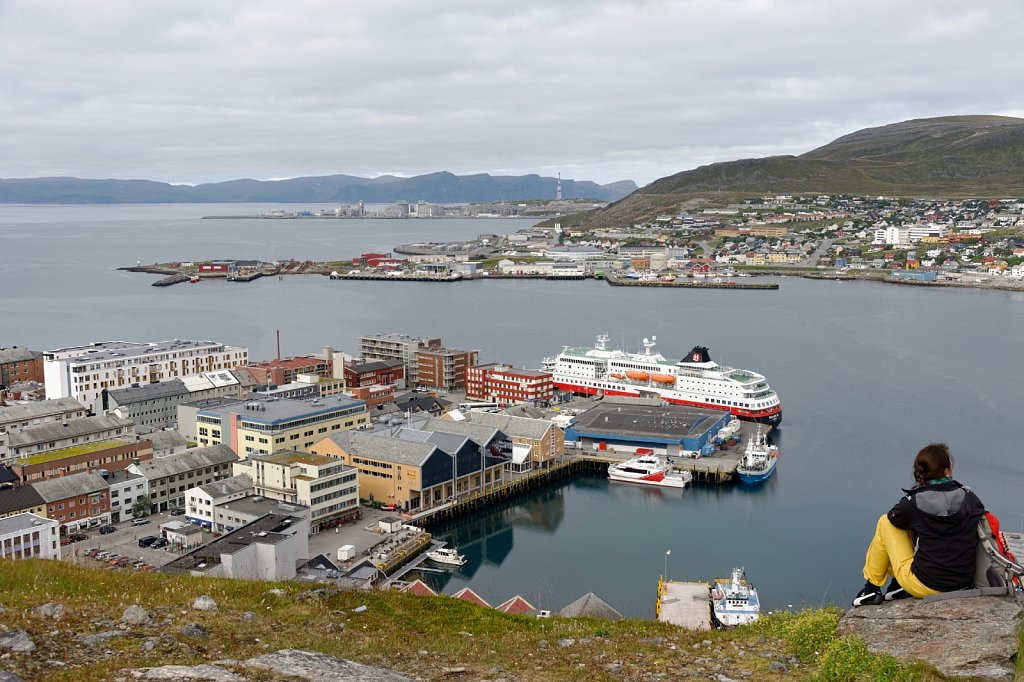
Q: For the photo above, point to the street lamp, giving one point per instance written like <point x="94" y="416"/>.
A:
<point x="667" y="552"/>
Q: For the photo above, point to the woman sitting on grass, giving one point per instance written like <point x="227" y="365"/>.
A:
<point x="928" y="542"/>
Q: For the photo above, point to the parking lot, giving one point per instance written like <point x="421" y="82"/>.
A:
<point x="123" y="542"/>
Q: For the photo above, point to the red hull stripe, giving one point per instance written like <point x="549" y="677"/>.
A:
<point x="752" y="414"/>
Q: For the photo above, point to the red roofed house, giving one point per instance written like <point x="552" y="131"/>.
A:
<point x="469" y="595"/>
<point x="516" y="605"/>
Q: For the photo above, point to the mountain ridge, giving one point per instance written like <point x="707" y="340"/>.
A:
<point x="972" y="156"/>
<point x="439" y="187"/>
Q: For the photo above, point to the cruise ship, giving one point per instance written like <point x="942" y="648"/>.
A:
<point x="694" y="380"/>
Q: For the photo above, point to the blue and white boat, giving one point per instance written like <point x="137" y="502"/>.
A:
<point x="734" y="601"/>
<point x="759" y="460"/>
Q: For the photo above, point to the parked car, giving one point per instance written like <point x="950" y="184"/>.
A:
<point x="105" y="530"/>
<point x="161" y="542"/>
<point x="148" y="540"/>
<point x="177" y="512"/>
<point x="78" y="537"/>
<point x="140" y="521"/>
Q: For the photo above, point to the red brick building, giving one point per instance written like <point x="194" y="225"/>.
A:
<point x="20" y="364"/>
<point x="444" y="368"/>
<point x="505" y="384"/>
<point x="109" y="455"/>
<point x="374" y="395"/>
<point x="284" y="370"/>
<point x="385" y="372"/>
<point x="77" y="501"/>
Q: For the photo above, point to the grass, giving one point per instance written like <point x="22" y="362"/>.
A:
<point x="416" y="635"/>
<point x="72" y="451"/>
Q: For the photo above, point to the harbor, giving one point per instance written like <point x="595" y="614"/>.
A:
<point x="684" y="604"/>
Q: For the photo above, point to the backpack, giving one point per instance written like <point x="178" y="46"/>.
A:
<point x="996" y="570"/>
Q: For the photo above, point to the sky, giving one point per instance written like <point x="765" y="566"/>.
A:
<point x="194" y="91"/>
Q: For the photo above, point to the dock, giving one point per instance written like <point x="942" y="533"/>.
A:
<point x="686" y="604"/>
<point x="683" y="283"/>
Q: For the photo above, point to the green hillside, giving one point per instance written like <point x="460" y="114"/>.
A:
<point x="953" y="156"/>
<point x="428" y="638"/>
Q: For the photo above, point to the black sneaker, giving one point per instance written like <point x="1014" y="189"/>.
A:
<point x="869" y="595"/>
<point x="895" y="591"/>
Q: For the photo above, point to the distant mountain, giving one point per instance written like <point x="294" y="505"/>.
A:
<point x="441" y="188"/>
<point x="952" y="156"/>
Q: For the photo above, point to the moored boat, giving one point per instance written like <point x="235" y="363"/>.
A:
<point x="447" y="555"/>
<point x="759" y="460"/>
<point x="734" y="601"/>
<point x="649" y="470"/>
<point x="694" y="380"/>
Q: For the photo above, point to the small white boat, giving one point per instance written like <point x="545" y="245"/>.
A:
<point x="649" y="470"/>
<point x="734" y="601"/>
<point x="446" y="555"/>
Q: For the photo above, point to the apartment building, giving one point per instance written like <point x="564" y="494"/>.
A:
<point x="168" y="478"/>
<point x="27" y="536"/>
<point x="114" y="454"/>
<point x="505" y="384"/>
<point x="286" y="370"/>
<point x="83" y="372"/>
<point x="444" y="369"/>
<point x="21" y="500"/>
<point x="202" y="501"/>
<point x="401" y="347"/>
<point x="327" y="486"/>
<point x="20" y="364"/>
<point x="77" y="501"/>
<point x="36" y="413"/>
<point x="375" y="372"/>
<point x="269" y="425"/>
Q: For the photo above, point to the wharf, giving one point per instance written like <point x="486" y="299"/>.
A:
<point x="686" y="604"/>
<point x="379" y="277"/>
<point x="617" y="281"/>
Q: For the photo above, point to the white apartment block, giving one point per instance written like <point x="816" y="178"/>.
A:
<point x="83" y="372"/>
<point x="27" y="536"/>
<point x="326" y="485"/>
<point x="201" y="502"/>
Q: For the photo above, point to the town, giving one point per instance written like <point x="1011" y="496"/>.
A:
<point x="975" y="243"/>
<point x="188" y="457"/>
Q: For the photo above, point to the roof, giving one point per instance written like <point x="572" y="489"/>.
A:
<point x="467" y="594"/>
<point x="137" y="394"/>
<point x="374" y="366"/>
<point x="671" y="422"/>
<point x="72" y="428"/>
<point x="447" y="442"/>
<point x="39" y="409"/>
<point x="25" y="497"/>
<point x="288" y="457"/>
<point x="16" y="354"/>
<point x="75" y="451"/>
<point x="100" y="351"/>
<point x="26" y="521"/>
<point x="277" y="410"/>
<point x="84" y="483"/>
<point x="590" y="606"/>
<point x="480" y="434"/>
<point x="190" y="460"/>
<point x="375" y="446"/>
<point x="166" y="440"/>
<point x="522" y="427"/>
<point x="419" y="588"/>
<point x="516" y="605"/>
<point x="228" y="486"/>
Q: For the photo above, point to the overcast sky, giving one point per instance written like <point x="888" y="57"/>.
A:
<point x="202" y="91"/>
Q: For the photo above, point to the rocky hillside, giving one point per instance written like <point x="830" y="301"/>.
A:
<point x="953" y="156"/>
<point x="64" y="622"/>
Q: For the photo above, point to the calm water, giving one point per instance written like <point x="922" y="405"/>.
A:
<point x="867" y="373"/>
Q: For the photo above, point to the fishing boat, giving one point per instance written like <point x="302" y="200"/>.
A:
<point x="193" y="279"/>
<point x="649" y="470"/>
<point x="446" y="555"/>
<point x="694" y="380"/>
<point x="734" y="601"/>
<point x="759" y="460"/>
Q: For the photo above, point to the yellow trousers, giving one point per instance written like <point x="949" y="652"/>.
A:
<point x="891" y="553"/>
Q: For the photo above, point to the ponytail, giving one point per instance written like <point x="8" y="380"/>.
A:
<point x="931" y="463"/>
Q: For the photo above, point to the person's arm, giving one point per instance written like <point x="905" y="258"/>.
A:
<point x="902" y="514"/>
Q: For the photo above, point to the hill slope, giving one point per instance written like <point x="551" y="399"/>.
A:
<point x="954" y="156"/>
<point x="441" y="187"/>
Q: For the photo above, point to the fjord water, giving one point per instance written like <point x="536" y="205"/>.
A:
<point x="867" y="373"/>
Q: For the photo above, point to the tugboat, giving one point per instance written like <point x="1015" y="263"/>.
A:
<point x="759" y="460"/>
<point x="734" y="601"/>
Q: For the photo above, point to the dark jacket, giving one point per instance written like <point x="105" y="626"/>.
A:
<point x="943" y="521"/>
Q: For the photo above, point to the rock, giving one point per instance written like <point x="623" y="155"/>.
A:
<point x="195" y="630"/>
<point x="307" y="665"/>
<point x="9" y="677"/>
<point x="204" y="602"/>
<point x="961" y="637"/>
<point x="567" y="642"/>
<point x="17" y="641"/>
<point x="276" y="592"/>
<point x="777" y="667"/>
<point x="454" y="670"/>
<point x="205" y="673"/>
<point x="359" y="609"/>
<point x="248" y="615"/>
<point x="317" y="594"/>
<point x="136" y="615"/>
<point x="101" y="637"/>
<point x="652" y="640"/>
<point x="51" y="610"/>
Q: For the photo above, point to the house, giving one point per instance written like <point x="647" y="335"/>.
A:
<point x="536" y="443"/>
<point x="389" y="372"/>
<point x="21" y="500"/>
<point x="201" y="501"/>
<point x="126" y="489"/>
<point x="20" y="364"/>
<point x="501" y="383"/>
<point x="36" y="413"/>
<point x="28" y="536"/>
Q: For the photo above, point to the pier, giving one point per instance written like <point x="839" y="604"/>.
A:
<point x="686" y="604"/>
<point x="618" y="281"/>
